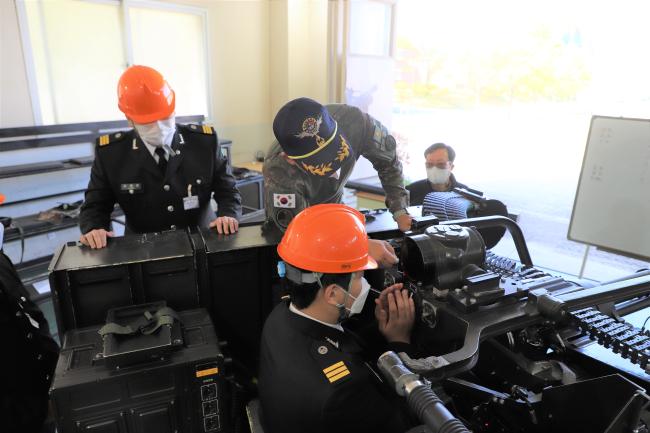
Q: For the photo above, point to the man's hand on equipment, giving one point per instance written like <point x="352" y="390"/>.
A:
<point x="96" y="238"/>
<point x="395" y="313"/>
<point x="225" y="225"/>
<point x="404" y="222"/>
<point x="382" y="252"/>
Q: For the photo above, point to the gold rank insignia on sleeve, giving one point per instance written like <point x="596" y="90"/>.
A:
<point x="104" y="140"/>
<point x="336" y="371"/>
<point x="201" y="129"/>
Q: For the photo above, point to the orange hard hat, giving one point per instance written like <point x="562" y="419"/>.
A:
<point x="144" y="96"/>
<point x="327" y="238"/>
<point x="2" y="198"/>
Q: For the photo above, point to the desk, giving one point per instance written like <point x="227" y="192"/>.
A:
<point x="251" y="165"/>
<point x="370" y="193"/>
<point x="368" y="200"/>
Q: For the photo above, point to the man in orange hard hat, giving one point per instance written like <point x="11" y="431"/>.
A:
<point x="30" y="357"/>
<point x="161" y="173"/>
<point x="314" y="376"/>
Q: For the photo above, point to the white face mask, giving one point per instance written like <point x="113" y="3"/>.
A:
<point x="2" y="234"/>
<point x="438" y="175"/>
<point x="357" y="303"/>
<point x="360" y="300"/>
<point x="158" y="133"/>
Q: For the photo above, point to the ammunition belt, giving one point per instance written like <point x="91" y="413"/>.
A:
<point x="621" y="337"/>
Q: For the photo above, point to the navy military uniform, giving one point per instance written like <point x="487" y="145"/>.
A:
<point x="419" y="189"/>
<point x="124" y="172"/>
<point x="331" y="138"/>
<point x="28" y="359"/>
<point x="313" y="378"/>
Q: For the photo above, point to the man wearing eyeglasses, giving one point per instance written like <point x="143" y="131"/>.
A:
<point x="439" y="164"/>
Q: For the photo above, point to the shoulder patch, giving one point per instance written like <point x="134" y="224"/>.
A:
<point x="380" y="133"/>
<point x="203" y="129"/>
<point x="331" y="361"/>
<point x="284" y="200"/>
<point x="103" y="140"/>
<point x="336" y="371"/>
<point x="282" y="218"/>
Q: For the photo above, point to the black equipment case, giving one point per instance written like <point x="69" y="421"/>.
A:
<point x="241" y="274"/>
<point x="230" y="276"/>
<point x="183" y="390"/>
<point x="132" y="270"/>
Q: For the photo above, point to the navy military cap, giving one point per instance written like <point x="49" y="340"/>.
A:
<point x="309" y="135"/>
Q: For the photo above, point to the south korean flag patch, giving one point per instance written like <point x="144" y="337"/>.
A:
<point x="287" y="201"/>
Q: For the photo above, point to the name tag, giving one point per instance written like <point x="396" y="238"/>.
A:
<point x="131" y="188"/>
<point x="191" y="202"/>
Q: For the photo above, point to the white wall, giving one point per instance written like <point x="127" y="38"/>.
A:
<point x="15" y="103"/>
<point x="299" y="46"/>
<point x="241" y="78"/>
<point x="279" y="47"/>
<point x="308" y="49"/>
<point x="240" y="72"/>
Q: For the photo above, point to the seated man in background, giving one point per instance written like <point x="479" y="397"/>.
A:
<point x="453" y="205"/>
<point x="29" y="354"/>
<point x="161" y="173"/>
<point x="315" y="376"/>
<point x="439" y="162"/>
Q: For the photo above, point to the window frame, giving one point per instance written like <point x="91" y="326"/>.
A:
<point x="392" y="6"/>
<point x="125" y="5"/>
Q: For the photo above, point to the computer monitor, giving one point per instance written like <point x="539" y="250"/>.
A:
<point x="226" y="151"/>
<point x="251" y="191"/>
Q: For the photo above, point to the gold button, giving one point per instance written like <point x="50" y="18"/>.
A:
<point x="166" y="187"/>
<point x="173" y="227"/>
<point x="118" y="135"/>
<point x="198" y="181"/>
<point x="170" y="208"/>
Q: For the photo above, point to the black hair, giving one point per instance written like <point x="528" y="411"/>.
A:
<point x="302" y="295"/>
<point x="450" y="151"/>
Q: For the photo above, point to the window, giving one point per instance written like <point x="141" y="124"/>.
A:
<point x="514" y="93"/>
<point x="370" y="66"/>
<point x="175" y="43"/>
<point x="77" y="49"/>
<point x="370" y="15"/>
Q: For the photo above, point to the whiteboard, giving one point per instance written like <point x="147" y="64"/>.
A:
<point x="611" y="209"/>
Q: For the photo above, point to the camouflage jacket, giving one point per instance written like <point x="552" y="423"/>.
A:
<point x="288" y="189"/>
